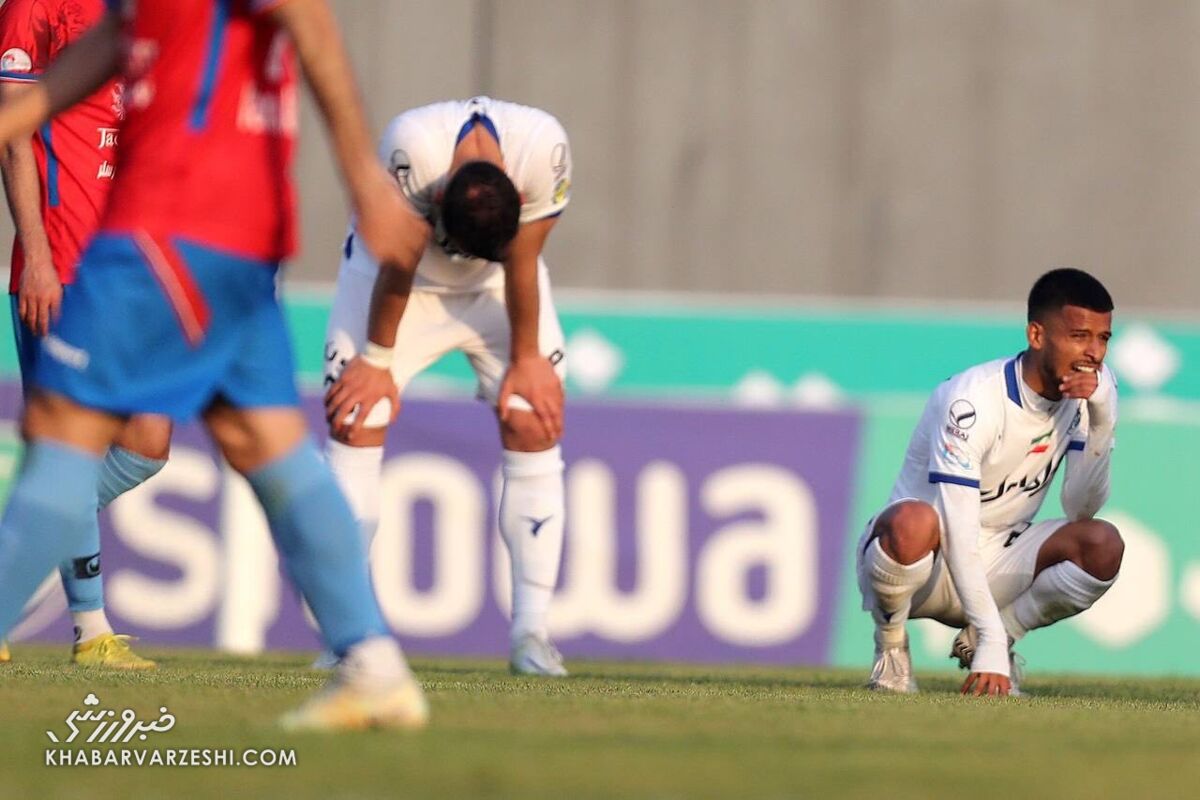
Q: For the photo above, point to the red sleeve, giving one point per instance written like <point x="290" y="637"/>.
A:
<point x="25" y="45"/>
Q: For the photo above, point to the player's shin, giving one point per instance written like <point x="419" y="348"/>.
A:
<point x="1059" y="591"/>
<point x="50" y="508"/>
<point x="893" y="585"/>
<point x="359" y="472"/>
<point x="531" y="523"/>
<point x="316" y="536"/>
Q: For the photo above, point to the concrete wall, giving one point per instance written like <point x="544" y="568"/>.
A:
<point x="912" y="148"/>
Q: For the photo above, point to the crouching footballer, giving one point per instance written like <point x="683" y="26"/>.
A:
<point x="957" y="541"/>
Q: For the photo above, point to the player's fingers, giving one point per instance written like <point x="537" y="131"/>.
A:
<point x="41" y="318"/>
<point x="966" y="687"/>
<point x="502" y="403"/>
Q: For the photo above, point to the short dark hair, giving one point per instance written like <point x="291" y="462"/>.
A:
<point x="481" y="210"/>
<point x="1067" y="287"/>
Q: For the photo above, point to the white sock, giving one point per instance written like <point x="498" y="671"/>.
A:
<point x="894" y="585"/>
<point x="90" y="624"/>
<point x="532" y="514"/>
<point x="1058" y="592"/>
<point x="374" y="663"/>
<point x="359" y="472"/>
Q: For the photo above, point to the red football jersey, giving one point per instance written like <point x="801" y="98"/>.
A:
<point x="75" y="151"/>
<point x="211" y="116"/>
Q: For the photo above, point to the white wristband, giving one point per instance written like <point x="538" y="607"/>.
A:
<point x="377" y="355"/>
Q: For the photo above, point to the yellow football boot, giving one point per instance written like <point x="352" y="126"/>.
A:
<point x="111" y="651"/>
<point x="5" y="656"/>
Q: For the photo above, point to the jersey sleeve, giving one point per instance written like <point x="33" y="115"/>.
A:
<point x="1085" y="486"/>
<point x="546" y="187"/>
<point x="969" y="426"/>
<point x="25" y="40"/>
<point x="403" y="149"/>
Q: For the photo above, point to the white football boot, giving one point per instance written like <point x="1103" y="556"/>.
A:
<point x="360" y="696"/>
<point x="535" y="655"/>
<point x="893" y="669"/>
<point x="963" y="650"/>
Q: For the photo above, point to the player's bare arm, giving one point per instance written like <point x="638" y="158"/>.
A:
<point x="530" y="374"/>
<point x="39" y="294"/>
<point x="367" y="379"/>
<point x="78" y="71"/>
<point x="388" y="226"/>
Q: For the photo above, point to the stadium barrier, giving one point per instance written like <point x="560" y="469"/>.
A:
<point x="720" y="465"/>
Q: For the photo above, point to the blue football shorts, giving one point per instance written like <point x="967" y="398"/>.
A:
<point x="167" y="326"/>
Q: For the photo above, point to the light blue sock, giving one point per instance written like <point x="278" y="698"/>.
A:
<point x="120" y="471"/>
<point x="320" y="546"/>
<point x="123" y="470"/>
<point x="49" y="511"/>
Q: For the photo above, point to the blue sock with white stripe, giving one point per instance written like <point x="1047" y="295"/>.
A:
<point x="50" y="509"/>
<point x="123" y="470"/>
<point x="319" y="543"/>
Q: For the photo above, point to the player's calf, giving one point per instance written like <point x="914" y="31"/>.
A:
<point x="1082" y="561"/>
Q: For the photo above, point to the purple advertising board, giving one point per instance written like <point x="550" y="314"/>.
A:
<point x="693" y="534"/>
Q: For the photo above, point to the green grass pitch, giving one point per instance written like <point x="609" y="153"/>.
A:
<point x="618" y="730"/>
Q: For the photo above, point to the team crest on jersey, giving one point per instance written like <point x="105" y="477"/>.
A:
<point x="962" y="414"/>
<point x="15" y="60"/>
<point x="400" y="165"/>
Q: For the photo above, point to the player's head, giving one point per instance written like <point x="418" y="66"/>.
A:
<point x="1070" y="323"/>
<point x="481" y="210"/>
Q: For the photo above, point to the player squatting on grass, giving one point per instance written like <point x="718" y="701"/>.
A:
<point x="957" y="541"/>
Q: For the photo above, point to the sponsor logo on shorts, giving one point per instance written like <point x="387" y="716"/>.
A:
<point x="962" y="414"/>
<point x="66" y="354"/>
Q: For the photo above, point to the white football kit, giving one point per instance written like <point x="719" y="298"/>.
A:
<point x="457" y="302"/>
<point x="983" y="455"/>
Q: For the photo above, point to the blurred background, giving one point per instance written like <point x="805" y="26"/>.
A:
<point x="790" y="220"/>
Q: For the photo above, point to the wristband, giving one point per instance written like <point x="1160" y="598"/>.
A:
<point x="377" y="355"/>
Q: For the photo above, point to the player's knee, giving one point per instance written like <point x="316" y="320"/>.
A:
<point x="148" y="436"/>
<point x="1101" y="549"/>
<point x="908" y="531"/>
<point x="523" y="432"/>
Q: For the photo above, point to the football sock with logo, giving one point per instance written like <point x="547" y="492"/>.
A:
<point x="120" y="471"/>
<point x="50" y="507"/>
<point x="894" y="585"/>
<point x="531" y="524"/>
<point x="1059" y="591"/>
<point x="359" y="473"/>
<point x="123" y="470"/>
<point x="318" y="541"/>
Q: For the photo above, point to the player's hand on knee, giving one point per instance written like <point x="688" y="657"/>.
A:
<point x="535" y="380"/>
<point x="359" y="388"/>
<point x="986" y="683"/>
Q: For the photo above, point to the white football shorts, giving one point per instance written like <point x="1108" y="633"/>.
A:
<point x="434" y="324"/>
<point x="1009" y="559"/>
